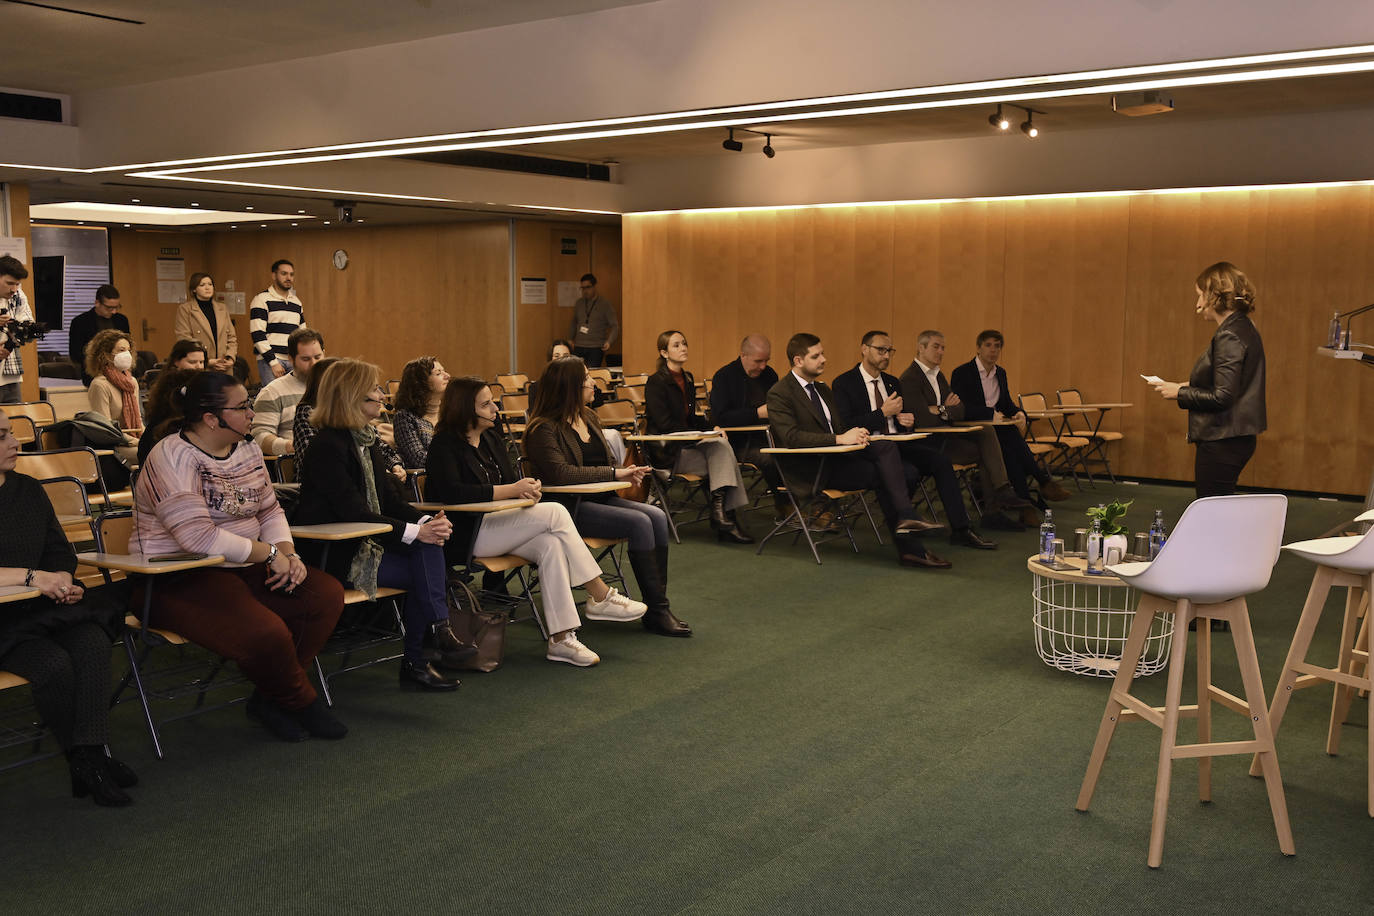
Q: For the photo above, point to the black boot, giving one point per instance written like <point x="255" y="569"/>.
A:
<point x="653" y="588"/>
<point x="742" y="536"/>
<point x="90" y="777"/>
<point x="725" y="528"/>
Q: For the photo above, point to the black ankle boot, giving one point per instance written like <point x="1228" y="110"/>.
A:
<point x="653" y="588"/>
<point x="123" y="776"/>
<point x="739" y="535"/>
<point x="718" y="519"/>
<point x="89" y="777"/>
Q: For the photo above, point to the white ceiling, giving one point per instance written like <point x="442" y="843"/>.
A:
<point x="50" y="50"/>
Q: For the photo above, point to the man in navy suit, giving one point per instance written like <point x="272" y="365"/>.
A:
<point x="982" y="385"/>
<point x="869" y="396"/>
<point x="802" y="414"/>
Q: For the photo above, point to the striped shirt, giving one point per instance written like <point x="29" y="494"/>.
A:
<point x="186" y="500"/>
<point x="12" y="369"/>
<point x="271" y="319"/>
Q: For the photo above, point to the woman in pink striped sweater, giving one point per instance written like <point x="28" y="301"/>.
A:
<point x="204" y="489"/>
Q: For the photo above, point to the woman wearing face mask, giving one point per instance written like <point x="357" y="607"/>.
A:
<point x="202" y="319"/>
<point x="114" y="391"/>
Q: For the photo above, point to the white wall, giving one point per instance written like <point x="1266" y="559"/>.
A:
<point x="677" y="54"/>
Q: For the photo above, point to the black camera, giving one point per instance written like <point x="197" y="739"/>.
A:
<point x="18" y="333"/>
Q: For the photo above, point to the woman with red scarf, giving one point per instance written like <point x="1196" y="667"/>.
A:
<point x="114" y="391"/>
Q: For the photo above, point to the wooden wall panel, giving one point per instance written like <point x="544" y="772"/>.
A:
<point x="1090" y="292"/>
<point x="133" y="270"/>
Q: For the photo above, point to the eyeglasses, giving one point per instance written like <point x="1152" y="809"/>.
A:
<point x="245" y="406"/>
<point x="882" y="351"/>
<point x="373" y="401"/>
<point x="589" y="287"/>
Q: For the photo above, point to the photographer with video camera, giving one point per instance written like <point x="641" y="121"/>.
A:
<point x="14" y="308"/>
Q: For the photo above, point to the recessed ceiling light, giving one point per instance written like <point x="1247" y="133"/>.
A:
<point x="247" y="208"/>
<point x="300" y="211"/>
<point x="195" y="204"/>
<point x="126" y="225"/>
<point x="262" y="226"/>
<point x="295" y="224"/>
<point x="134" y="200"/>
<point x="326" y="222"/>
<point x="233" y="227"/>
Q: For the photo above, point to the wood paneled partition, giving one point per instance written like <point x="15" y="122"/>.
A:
<point x="1090" y="292"/>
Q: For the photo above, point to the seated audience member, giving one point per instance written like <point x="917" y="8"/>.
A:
<point x="670" y="406"/>
<point x="417" y="403"/>
<point x="303" y="431"/>
<point x="275" y="407"/>
<point x="739" y="397"/>
<point x="204" y="489"/>
<point x="802" y="414"/>
<point x="59" y="641"/>
<point x="562" y="349"/>
<point x="564" y="444"/>
<point x="163" y="399"/>
<point x="187" y="354"/>
<point x="468" y="462"/>
<point x="206" y="321"/>
<point x="982" y="386"/>
<point x="931" y="402"/>
<point x="345" y="479"/>
<point x="114" y="390"/>
<point x="868" y="396"/>
<point x="103" y="316"/>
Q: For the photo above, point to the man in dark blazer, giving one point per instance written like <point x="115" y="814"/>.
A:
<point x="802" y="414"/>
<point x="739" y="397"/>
<point x="868" y="396"/>
<point x="982" y="385"/>
<point x="933" y="405"/>
<point x="104" y="315"/>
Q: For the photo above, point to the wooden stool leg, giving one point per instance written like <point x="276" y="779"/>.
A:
<point x="1145" y="612"/>
<point x="1248" y="662"/>
<point x="1341" y="699"/>
<point x="1168" y="738"/>
<point x="1297" y="651"/>
<point x="1204" y="706"/>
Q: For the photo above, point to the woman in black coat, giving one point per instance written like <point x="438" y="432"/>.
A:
<point x="60" y="640"/>
<point x="670" y="406"/>
<point x="346" y="479"/>
<point x="1224" y="396"/>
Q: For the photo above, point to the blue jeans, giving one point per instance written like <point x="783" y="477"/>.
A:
<point x="645" y="526"/>
<point x="265" y="368"/>
<point x="13" y="393"/>
<point x="421" y="570"/>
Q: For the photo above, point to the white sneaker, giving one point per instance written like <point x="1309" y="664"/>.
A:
<point x="571" y="651"/>
<point x="615" y="607"/>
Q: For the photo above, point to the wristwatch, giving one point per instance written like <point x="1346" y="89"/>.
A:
<point x="271" y="553"/>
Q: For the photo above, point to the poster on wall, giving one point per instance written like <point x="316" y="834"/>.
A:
<point x="171" y="280"/>
<point x="14" y="247"/>
<point x="534" y="291"/>
<point x="569" y="292"/>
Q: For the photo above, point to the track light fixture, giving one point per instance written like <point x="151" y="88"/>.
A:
<point x="731" y="143"/>
<point x="768" y="146"/>
<point x="1028" y="126"/>
<point x="999" y="120"/>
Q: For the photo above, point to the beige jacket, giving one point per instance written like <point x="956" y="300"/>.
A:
<point x="191" y="325"/>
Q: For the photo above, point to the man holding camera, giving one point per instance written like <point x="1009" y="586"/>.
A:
<point x="14" y="306"/>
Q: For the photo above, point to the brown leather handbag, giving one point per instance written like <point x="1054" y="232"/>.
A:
<point x="476" y="626"/>
<point x="639" y="492"/>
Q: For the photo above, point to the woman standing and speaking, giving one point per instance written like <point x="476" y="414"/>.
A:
<point x="1224" y="396"/>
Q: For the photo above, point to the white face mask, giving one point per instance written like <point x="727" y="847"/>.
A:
<point x="123" y="361"/>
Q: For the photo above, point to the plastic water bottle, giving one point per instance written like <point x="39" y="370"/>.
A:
<point x="1047" y="537"/>
<point x="1096" y="562"/>
<point x="1157" y="534"/>
<point x="1333" y="334"/>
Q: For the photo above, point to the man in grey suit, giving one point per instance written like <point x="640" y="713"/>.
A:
<point x="934" y="405"/>
<point x="802" y="414"/>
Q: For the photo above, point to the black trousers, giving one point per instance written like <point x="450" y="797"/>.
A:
<point x="747" y="451"/>
<point x="592" y="356"/>
<point x="70" y="674"/>
<point x="877" y="468"/>
<point x="1021" y="464"/>
<point x="932" y="463"/>
<point x="1218" y="463"/>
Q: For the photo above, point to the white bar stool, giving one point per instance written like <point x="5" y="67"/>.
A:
<point x="1222" y="549"/>
<point x="1342" y="562"/>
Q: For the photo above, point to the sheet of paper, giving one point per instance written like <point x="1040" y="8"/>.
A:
<point x="568" y="293"/>
<point x="171" y="291"/>
<point x="534" y="291"/>
<point x="1153" y="379"/>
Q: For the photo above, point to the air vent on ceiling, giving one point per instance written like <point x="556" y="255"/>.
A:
<point x="514" y="162"/>
<point x="31" y="107"/>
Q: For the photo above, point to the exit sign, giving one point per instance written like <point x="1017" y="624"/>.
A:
<point x="169" y="251"/>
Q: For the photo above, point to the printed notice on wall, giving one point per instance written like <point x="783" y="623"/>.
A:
<point x="569" y="292"/>
<point x="15" y="247"/>
<point x="171" y="280"/>
<point x="171" y="291"/>
<point x="171" y="268"/>
<point x="534" y="291"/>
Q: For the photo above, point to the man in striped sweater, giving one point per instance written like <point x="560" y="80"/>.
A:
<point x="275" y="313"/>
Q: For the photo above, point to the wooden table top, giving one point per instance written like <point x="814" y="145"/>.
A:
<point x="814" y="450"/>
<point x="1077" y="575"/>
<point x="496" y="505"/>
<point x="338" y="531"/>
<point x="1106" y="405"/>
<point x="10" y="593"/>
<point x="141" y="563"/>
<point x="600" y="486"/>
<point x="745" y="429"/>
<point x="692" y="436"/>
<point x="897" y="437"/>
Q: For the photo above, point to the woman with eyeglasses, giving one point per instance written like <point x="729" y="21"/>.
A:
<point x="204" y="489"/>
<point x="346" y="480"/>
<point x="670" y="406"/>
<point x="565" y="445"/>
<point x="418" y="397"/>
<point x="303" y="431"/>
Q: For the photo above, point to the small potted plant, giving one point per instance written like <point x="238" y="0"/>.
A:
<point x="1114" y="534"/>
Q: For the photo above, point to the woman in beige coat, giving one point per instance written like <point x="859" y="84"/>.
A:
<point x="202" y="319"/>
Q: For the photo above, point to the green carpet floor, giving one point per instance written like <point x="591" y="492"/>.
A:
<point x="854" y="738"/>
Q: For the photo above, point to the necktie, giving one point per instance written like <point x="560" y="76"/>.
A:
<point x="878" y="398"/>
<point x="820" y="408"/>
